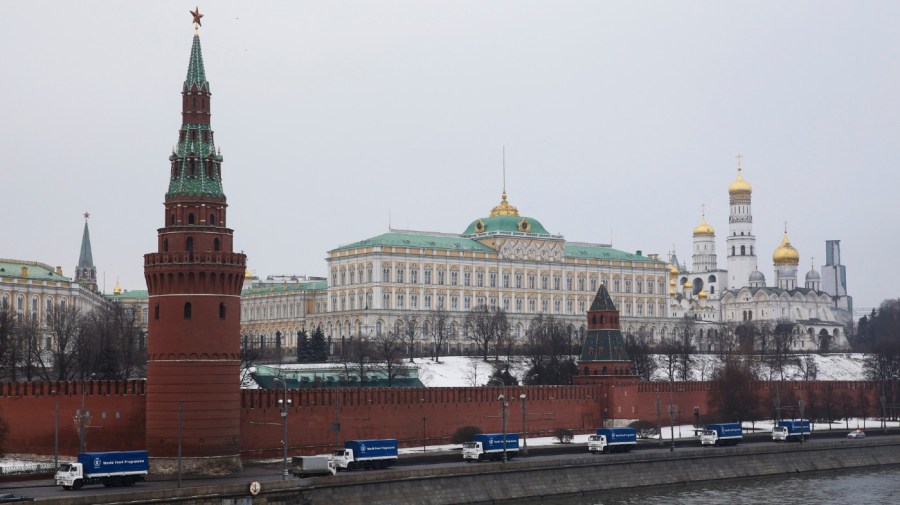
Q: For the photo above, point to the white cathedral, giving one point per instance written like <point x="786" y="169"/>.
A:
<point x="817" y="313"/>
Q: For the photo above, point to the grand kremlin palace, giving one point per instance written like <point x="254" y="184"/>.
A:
<point x="504" y="260"/>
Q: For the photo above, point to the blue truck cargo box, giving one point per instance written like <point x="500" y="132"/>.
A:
<point x="795" y="425"/>
<point x="618" y="435"/>
<point x="727" y="430"/>
<point x="113" y="462"/>
<point x="494" y="441"/>
<point x="372" y="448"/>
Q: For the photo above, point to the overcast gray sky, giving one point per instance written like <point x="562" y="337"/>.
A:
<point x="619" y="121"/>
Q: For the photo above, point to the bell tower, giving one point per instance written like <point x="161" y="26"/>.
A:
<point x="194" y="281"/>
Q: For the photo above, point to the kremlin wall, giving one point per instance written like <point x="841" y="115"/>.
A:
<point x="117" y="412"/>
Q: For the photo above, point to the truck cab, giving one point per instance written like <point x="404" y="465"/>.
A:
<point x="597" y="443"/>
<point x="342" y="459"/>
<point x="70" y="475"/>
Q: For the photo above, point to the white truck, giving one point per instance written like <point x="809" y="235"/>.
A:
<point x="490" y="446"/>
<point x="120" y="468"/>
<point x="612" y="440"/>
<point x="365" y="454"/>
<point x="312" y="466"/>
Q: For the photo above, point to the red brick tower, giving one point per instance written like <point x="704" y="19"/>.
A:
<point x="194" y="281"/>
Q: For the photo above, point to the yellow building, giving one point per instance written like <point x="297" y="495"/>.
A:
<point x="503" y="260"/>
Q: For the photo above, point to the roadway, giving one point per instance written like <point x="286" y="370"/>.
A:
<point x="42" y="489"/>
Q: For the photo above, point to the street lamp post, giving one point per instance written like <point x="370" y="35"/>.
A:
<point x="56" y="433"/>
<point x="524" y="398"/>
<point x="671" y="414"/>
<point x="504" y="404"/>
<point x="283" y="405"/>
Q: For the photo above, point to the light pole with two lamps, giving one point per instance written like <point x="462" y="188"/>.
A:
<point x="504" y="403"/>
<point x="283" y="405"/>
<point x="524" y="398"/>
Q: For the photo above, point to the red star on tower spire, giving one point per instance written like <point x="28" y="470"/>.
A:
<point x="197" y="16"/>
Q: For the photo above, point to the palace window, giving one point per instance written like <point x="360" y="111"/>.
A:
<point x="467" y="278"/>
<point x="479" y="279"/>
<point x="518" y="281"/>
<point x="427" y="276"/>
<point x="414" y="301"/>
<point x="531" y="281"/>
<point x="454" y="277"/>
<point x="545" y="282"/>
<point x="593" y="284"/>
<point x="386" y="274"/>
<point x="454" y="302"/>
<point x="400" y="273"/>
<point x="440" y="277"/>
<point x="493" y="279"/>
<point x="556" y="282"/>
<point x="386" y="301"/>
<point x="414" y="275"/>
<point x="506" y="280"/>
<point x="568" y="284"/>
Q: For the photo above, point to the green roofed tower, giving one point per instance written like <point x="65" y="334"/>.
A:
<point x="195" y="162"/>
<point x="603" y="354"/>
<point x="86" y="272"/>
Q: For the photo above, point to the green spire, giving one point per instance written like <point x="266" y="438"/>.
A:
<point x="86" y="259"/>
<point x="196" y="75"/>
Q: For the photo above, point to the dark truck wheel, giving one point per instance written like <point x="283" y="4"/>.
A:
<point x="77" y="484"/>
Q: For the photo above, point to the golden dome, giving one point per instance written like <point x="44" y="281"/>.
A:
<point x="248" y="274"/>
<point x="504" y="208"/>
<point x="688" y="285"/>
<point x="786" y="254"/>
<point x="672" y="282"/>
<point x="673" y="270"/>
<point x="118" y="289"/>
<point x="739" y="186"/>
<point x="703" y="295"/>
<point x="704" y="228"/>
<point x="671" y="292"/>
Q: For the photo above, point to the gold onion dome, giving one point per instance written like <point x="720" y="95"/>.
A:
<point x="688" y="285"/>
<point x="704" y="228"/>
<point x="673" y="270"/>
<point x="786" y="254"/>
<point x="703" y="295"/>
<point x="118" y="289"/>
<point x="672" y="282"/>
<point x="504" y="208"/>
<point x="739" y="186"/>
<point x="248" y="274"/>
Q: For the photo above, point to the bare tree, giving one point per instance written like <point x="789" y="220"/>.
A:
<point x="500" y="326"/>
<point x="30" y="332"/>
<point x="388" y="350"/>
<point x="65" y="325"/>
<point x="639" y="351"/>
<point x="668" y="353"/>
<point x="726" y="339"/>
<point x="409" y="330"/>
<point x="8" y="342"/>
<point x="732" y="395"/>
<point x="110" y="347"/>
<point x="440" y="331"/>
<point x="687" y="329"/>
<point x="480" y="322"/>
<point x="782" y="342"/>
<point x="547" y="350"/>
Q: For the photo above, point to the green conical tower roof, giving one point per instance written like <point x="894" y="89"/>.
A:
<point x="196" y="75"/>
<point x="602" y="300"/>
<point x="86" y="259"/>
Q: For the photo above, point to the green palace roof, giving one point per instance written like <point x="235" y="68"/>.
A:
<point x="510" y="224"/>
<point x="39" y="271"/>
<point x="284" y="288"/>
<point x="137" y="294"/>
<point x="420" y="240"/>
<point x="592" y="251"/>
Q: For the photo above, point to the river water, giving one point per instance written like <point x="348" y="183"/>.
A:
<point x="872" y="486"/>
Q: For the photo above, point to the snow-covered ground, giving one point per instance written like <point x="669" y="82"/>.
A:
<point x="462" y="371"/>
<point x="471" y="371"/>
